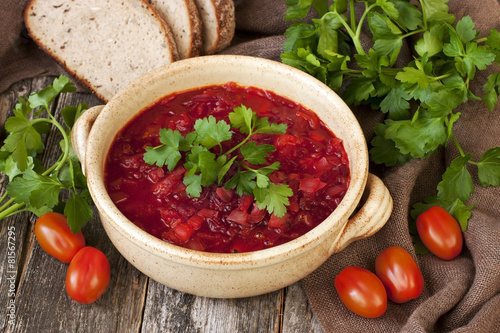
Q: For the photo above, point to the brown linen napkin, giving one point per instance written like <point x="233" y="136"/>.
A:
<point x="462" y="295"/>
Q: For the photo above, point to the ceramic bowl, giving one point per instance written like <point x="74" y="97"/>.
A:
<point x="364" y="210"/>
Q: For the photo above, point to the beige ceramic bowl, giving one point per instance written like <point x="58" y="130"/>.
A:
<point x="241" y="274"/>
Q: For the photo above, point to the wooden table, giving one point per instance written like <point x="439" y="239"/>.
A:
<point x="32" y="282"/>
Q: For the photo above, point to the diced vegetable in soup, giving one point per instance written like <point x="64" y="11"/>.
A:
<point x="226" y="169"/>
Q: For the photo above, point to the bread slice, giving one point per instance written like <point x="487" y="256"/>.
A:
<point x="184" y="20"/>
<point x="106" y="44"/>
<point x="218" y="21"/>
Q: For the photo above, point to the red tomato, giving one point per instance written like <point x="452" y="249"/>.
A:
<point x="400" y="274"/>
<point x="88" y="275"/>
<point x="55" y="237"/>
<point x="361" y="291"/>
<point x="440" y="233"/>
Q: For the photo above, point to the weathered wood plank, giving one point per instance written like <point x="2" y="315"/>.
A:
<point x="42" y="304"/>
<point x="12" y="250"/>
<point x="168" y="310"/>
<point x="297" y="314"/>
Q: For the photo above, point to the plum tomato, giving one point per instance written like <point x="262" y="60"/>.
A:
<point x="361" y="291"/>
<point x="440" y="233"/>
<point x="55" y="237"/>
<point x="88" y="275"/>
<point x="400" y="274"/>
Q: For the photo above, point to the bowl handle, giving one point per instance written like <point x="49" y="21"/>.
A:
<point x="81" y="130"/>
<point x="374" y="210"/>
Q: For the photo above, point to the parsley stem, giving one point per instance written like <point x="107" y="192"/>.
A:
<point x="12" y="210"/>
<point x="250" y="133"/>
<point x="60" y="163"/>
<point x="437" y="78"/>
<point x="424" y="15"/>
<point x="356" y="40"/>
<point x="413" y="33"/>
<point x="460" y="150"/>
<point x="7" y="204"/>
<point x="353" y="15"/>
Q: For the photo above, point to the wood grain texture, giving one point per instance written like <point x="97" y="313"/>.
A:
<point x="133" y="302"/>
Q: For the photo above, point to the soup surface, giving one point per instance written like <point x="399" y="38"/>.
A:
<point x="313" y="163"/>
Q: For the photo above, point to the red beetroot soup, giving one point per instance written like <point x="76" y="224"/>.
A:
<point x="313" y="162"/>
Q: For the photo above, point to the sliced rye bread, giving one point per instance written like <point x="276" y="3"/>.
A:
<point x="184" y="20"/>
<point x="106" y="44"/>
<point x="218" y="21"/>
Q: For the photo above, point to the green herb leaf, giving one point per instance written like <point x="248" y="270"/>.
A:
<point x="457" y="181"/>
<point x="274" y="198"/>
<point x="167" y="153"/>
<point x="35" y="190"/>
<point x="211" y="132"/>
<point x="78" y="211"/>
<point x="437" y="10"/>
<point x="243" y="182"/>
<point x="256" y="154"/>
<point x="489" y="168"/>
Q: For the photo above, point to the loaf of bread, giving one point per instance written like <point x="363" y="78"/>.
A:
<point x="218" y="21"/>
<point x="106" y="44"/>
<point x="184" y="20"/>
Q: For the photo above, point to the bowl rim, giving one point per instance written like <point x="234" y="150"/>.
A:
<point x="163" y="249"/>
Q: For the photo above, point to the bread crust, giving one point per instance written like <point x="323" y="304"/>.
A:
<point x="185" y="23"/>
<point x="218" y="20"/>
<point x="115" y="71"/>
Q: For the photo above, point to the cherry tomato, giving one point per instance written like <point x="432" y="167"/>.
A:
<point x="55" y="237"/>
<point x="88" y="275"/>
<point x="400" y="274"/>
<point x="361" y="291"/>
<point x="440" y="233"/>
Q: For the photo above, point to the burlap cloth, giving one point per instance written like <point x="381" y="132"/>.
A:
<point x="461" y="295"/>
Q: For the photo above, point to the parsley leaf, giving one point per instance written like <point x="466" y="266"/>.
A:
<point x="274" y="198"/>
<point x="210" y="132"/>
<point x="167" y="153"/>
<point x="457" y="181"/>
<point x="256" y="154"/>
<point x="489" y="168"/>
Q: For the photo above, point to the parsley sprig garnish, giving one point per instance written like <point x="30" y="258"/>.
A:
<point x="32" y="187"/>
<point x="206" y="166"/>
<point x="419" y="98"/>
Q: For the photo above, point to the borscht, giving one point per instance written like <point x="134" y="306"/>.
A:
<point x="226" y="169"/>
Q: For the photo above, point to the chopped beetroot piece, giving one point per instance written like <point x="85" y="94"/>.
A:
<point x="245" y="202"/>
<point x="311" y="185"/>
<point x="286" y="139"/>
<point x="311" y="118"/>
<point x="183" y="231"/>
<point x="169" y="183"/>
<point x="237" y="216"/>
<point x="196" y="221"/>
<point x="208" y="213"/>
<point x="280" y="223"/>
<point x="156" y="174"/>
<point x="257" y="214"/>
<point x="224" y="194"/>
<point x="170" y="217"/>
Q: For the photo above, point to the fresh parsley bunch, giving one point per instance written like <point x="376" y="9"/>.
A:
<point x="204" y="167"/>
<point x="420" y="97"/>
<point x="32" y="187"/>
